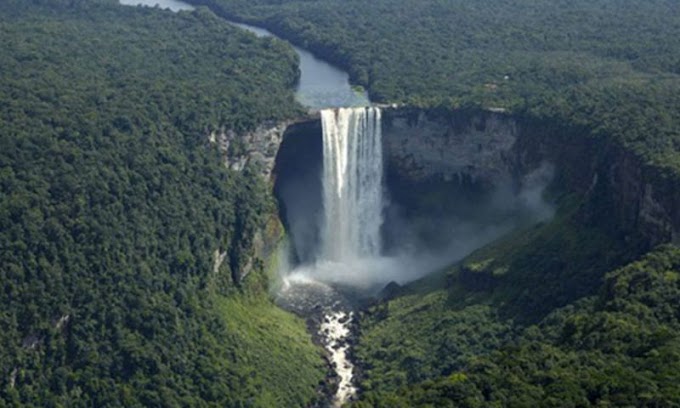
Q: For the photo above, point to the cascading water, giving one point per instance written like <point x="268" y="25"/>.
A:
<point x="352" y="184"/>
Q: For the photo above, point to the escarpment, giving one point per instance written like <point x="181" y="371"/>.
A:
<point x="473" y="150"/>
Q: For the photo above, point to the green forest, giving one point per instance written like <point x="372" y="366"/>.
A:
<point x="570" y="313"/>
<point x="613" y="65"/>
<point x="559" y="327"/>
<point x="112" y="204"/>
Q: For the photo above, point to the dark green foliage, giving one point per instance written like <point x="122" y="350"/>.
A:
<point x="483" y="303"/>
<point x="619" y="348"/>
<point x="528" y="320"/>
<point x="112" y="205"/>
<point x="548" y="266"/>
<point x="553" y="328"/>
<point x="419" y="337"/>
<point x="610" y="65"/>
<point x="442" y="50"/>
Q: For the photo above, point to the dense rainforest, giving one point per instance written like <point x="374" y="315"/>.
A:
<point x="112" y="205"/>
<point x="611" y="64"/>
<point x="574" y="311"/>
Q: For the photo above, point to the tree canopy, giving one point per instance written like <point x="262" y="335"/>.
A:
<point x="112" y="205"/>
<point x="611" y="65"/>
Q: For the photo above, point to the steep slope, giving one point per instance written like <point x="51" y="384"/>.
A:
<point x="620" y="347"/>
<point x="112" y="205"/>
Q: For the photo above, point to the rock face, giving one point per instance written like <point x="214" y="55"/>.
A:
<point x="257" y="147"/>
<point x="641" y="198"/>
<point x="619" y="188"/>
<point x="483" y="148"/>
<point x="422" y="145"/>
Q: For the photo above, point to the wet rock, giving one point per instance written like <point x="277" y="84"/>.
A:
<point x="330" y="319"/>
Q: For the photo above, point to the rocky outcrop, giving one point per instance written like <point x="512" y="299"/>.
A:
<point x="218" y="260"/>
<point x="265" y="243"/>
<point x="260" y="146"/>
<point x="618" y="187"/>
<point x="641" y="199"/>
<point x="61" y="323"/>
<point x="257" y="147"/>
<point x="422" y="145"/>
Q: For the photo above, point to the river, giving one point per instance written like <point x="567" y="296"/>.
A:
<point x="321" y="84"/>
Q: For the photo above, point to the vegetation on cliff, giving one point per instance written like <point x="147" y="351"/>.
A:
<point x="112" y="205"/>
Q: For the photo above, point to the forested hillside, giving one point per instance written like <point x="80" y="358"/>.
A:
<point x="619" y="348"/>
<point x="555" y="325"/>
<point x="112" y="205"/>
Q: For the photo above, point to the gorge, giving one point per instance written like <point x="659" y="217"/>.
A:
<point x="195" y="213"/>
<point x="453" y="180"/>
<point x="449" y="186"/>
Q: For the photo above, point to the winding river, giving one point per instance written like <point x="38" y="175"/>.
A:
<point x="321" y="84"/>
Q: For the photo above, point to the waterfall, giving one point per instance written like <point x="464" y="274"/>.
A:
<point x="352" y="183"/>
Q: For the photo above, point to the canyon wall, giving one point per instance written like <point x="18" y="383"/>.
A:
<point x="257" y="147"/>
<point x="487" y="147"/>
<point x="480" y="149"/>
<point x="296" y="142"/>
<point x="424" y="145"/>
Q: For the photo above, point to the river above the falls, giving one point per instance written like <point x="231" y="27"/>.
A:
<point x="321" y="85"/>
<point x="173" y="5"/>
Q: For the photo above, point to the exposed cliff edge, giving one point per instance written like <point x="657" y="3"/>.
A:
<point x="618" y="187"/>
<point x="257" y="149"/>
<point x="477" y="149"/>
<point x="421" y="145"/>
<point x="483" y="147"/>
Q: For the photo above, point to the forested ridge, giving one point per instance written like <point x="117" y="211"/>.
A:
<point x="112" y="204"/>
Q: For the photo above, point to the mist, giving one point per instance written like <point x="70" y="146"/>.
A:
<point x="415" y="245"/>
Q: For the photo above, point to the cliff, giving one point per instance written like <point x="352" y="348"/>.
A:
<point x="260" y="149"/>
<point x="422" y="145"/>
<point x="470" y="152"/>
<point x="482" y="147"/>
